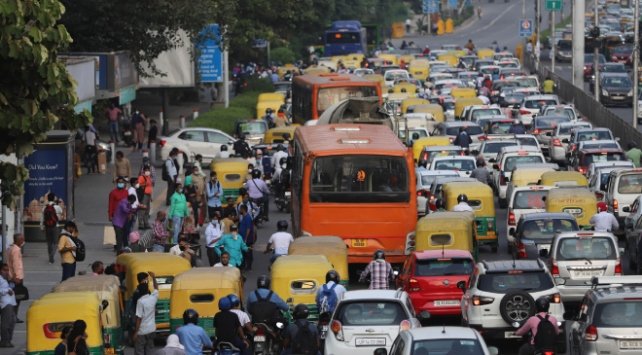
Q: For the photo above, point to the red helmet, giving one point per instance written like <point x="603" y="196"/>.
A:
<point x="601" y="206"/>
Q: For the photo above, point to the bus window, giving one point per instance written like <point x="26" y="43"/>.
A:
<point x="331" y="96"/>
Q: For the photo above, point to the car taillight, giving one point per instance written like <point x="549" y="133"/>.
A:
<point x="618" y="269"/>
<point x="521" y="250"/>
<point x="524" y="112"/>
<point x="557" y="142"/>
<point x="481" y="300"/>
<point x="591" y="333"/>
<point x="413" y="286"/>
<point x="556" y="298"/>
<point x="555" y="270"/>
<point x="511" y="218"/>
<point x="599" y="196"/>
<point x="582" y="170"/>
<point x="336" y="329"/>
<point x="502" y="179"/>
<point x="404" y="325"/>
<point x="162" y="142"/>
<point x="614" y="58"/>
<point x="483" y="138"/>
<point x="536" y="131"/>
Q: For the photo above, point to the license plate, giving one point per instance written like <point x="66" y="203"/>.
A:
<point x="370" y="342"/>
<point x="586" y="273"/>
<point x="573" y="211"/>
<point x="447" y="303"/>
<point x="511" y="335"/>
<point x="617" y="98"/>
<point x="259" y="338"/>
<point x="288" y="194"/>
<point x="359" y="243"/>
<point x="630" y="344"/>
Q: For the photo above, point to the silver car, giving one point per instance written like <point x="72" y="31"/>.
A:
<point x="439" y="340"/>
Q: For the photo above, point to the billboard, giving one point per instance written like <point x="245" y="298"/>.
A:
<point x="210" y="57"/>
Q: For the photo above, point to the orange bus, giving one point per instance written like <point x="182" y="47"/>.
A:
<point x="355" y="181"/>
<point x="313" y="94"/>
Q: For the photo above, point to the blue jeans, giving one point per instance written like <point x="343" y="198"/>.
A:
<point x="113" y="131"/>
<point x="177" y="225"/>
<point x="157" y="248"/>
<point x="68" y="270"/>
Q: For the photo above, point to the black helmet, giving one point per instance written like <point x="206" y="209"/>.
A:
<point x="379" y="254"/>
<point x="256" y="174"/>
<point x="234" y="299"/>
<point x="283" y="160"/>
<point x="542" y="304"/>
<point x="282" y="225"/>
<point x="301" y="311"/>
<point x="190" y="316"/>
<point x="263" y="281"/>
<point x="280" y="147"/>
<point x="462" y="198"/>
<point x="268" y="110"/>
<point x="332" y="275"/>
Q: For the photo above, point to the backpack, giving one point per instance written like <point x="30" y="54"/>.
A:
<point x="304" y="341"/>
<point x="546" y="334"/>
<point x="80" y="249"/>
<point x="165" y="172"/>
<point x="50" y="216"/>
<point x="263" y="310"/>
<point x="328" y="300"/>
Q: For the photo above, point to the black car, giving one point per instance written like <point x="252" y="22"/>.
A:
<point x="535" y="231"/>
<point x="616" y="89"/>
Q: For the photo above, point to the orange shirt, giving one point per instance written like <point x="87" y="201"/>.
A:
<point x="146" y="182"/>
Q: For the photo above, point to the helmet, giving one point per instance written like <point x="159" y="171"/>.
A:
<point x="542" y="304"/>
<point x="379" y="254"/>
<point x="263" y="281"/>
<point x="462" y="198"/>
<point x="256" y="174"/>
<point x="301" y="311"/>
<point x="332" y="275"/>
<point x="282" y="225"/>
<point x="224" y="304"/>
<point x="190" y="316"/>
<point x="268" y="110"/>
<point x="280" y="147"/>
<point x="283" y="160"/>
<point x="601" y="206"/>
<point x="234" y="299"/>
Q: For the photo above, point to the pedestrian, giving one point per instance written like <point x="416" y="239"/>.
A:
<point x="8" y="306"/>
<point x="182" y="249"/>
<point x="161" y="234"/>
<point x="173" y="346"/>
<point x="123" y="214"/>
<point x="170" y="174"/>
<point x="470" y="45"/>
<point x="548" y="86"/>
<point x="91" y="152"/>
<point x="67" y="250"/>
<point x="247" y="230"/>
<point x="61" y="348"/>
<point x="138" y="123"/>
<point x="152" y="135"/>
<point x="146" y="186"/>
<point x="97" y="268"/>
<point x="113" y="115"/>
<point x="225" y="260"/>
<point x="213" y="234"/>
<point x="16" y="270"/>
<point x="463" y="139"/>
<point x="134" y="189"/>
<point x="116" y="195"/>
<point x="234" y="245"/>
<point x="49" y="223"/>
<point x="279" y="242"/>
<point x="214" y="192"/>
<point x="178" y="210"/>
<point x="408" y="24"/>
<point x="77" y="339"/>
<point x="603" y="221"/>
<point x="380" y="272"/>
<point x="145" y="328"/>
<point x="634" y="154"/>
<point x="191" y="194"/>
<point x="122" y="167"/>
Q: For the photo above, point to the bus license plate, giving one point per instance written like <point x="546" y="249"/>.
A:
<point x="359" y="243"/>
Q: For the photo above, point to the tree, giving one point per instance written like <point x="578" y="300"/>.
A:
<point x="36" y="92"/>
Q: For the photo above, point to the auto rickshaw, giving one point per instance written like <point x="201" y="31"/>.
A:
<point x="450" y="59"/>
<point x="275" y="135"/>
<point x="412" y="101"/>
<point x="481" y="199"/>
<point x="461" y="104"/>
<point x="333" y="248"/>
<point x="271" y="96"/>
<point x="376" y="78"/>
<point x="435" y="110"/>
<point x="164" y="266"/>
<point x="297" y="278"/>
<point x="524" y="176"/>
<point x="577" y="201"/>
<point x="47" y="316"/>
<point x="316" y="70"/>
<point x="231" y="173"/>
<point x="253" y="130"/>
<point x="201" y="289"/>
<point x="262" y="106"/>
<point x="419" y="69"/>
<point x="460" y="93"/>
<point x="404" y="87"/>
<point x="390" y="59"/>
<point x="447" y="230"/>
<point x="107" y="287"/>
<point x="419" y="144"/>
<point x="485" y="53"/>
<point x="563" y="178"/>
<point x="394" y="100"/>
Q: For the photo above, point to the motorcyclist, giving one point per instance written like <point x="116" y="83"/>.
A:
<point x="548" y="86"/>
<point x="380" y="272"/>
<point x="542" y="305"/>
<point x="481" y="173"/>
<point x="259" y="192"/>
<point x="281" y="178"/>
<point x="281" y="152"/>
<point x="463" y="139"/>
<point x="470" y="45"/>
<point x="296" y="340"/>
<point x="462" y="204"/>
<point x="228" y="327"/>
<point x="263" y="304"/>
<point x="192" y="336"/>
<point x="332" y="278"/>
<point x="242" y="148"/>
<point x="603" y="221"/>
<point x="517" y="127"/>
<point x="269" y="117"/>
<point x="244" y="318"/>
<point x="279" y="242"/>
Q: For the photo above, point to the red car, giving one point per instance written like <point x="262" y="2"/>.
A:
<point x="430" y="278"/>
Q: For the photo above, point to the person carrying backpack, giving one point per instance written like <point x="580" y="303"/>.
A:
<point x="264" y="305"/>
<point x="543" y="328"/>
<point x="301" y="336"/>
<point x="329" y="294"/>
<point x="50" y="225"/>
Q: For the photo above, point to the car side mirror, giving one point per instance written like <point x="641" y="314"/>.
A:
<point x="380" y="351"/>
<point x="565" y="140"/>
<point x="492" y="160"/>
<point x="543" y="253"/>
<point x="626" y="209"/>
<point x="493" y="350"/>
<point x="496" y="166"/>
<point x="461" y="285"/>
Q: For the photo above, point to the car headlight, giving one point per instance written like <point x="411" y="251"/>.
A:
<point x="605" y="93"/>
<point x="630" y="93"/>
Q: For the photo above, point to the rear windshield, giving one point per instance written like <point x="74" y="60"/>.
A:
<point x="594" y="135"/>
<point x="472" y="130"/>
<point x="567" y="129"/>
<point x="620" y="314"/>
<point x="500" y="128"/>
<point x="530" y="141"/>
<point x="455" y="164"/>
<point x="486" y="112"/>
<point x="445" y="266"/>
<point x="546" y="228"/>
<point x="511" y="162"/>
<point x="504" y="282"/>
<point x="529" y="199"/>
<point x="568" y="112"/>
<point x="496" y="147"/>
<point x="630" y="184"/>
<point x="602" y="158"/>
<point x="550" y="122"/>
<point x="599" y="248"/>
<point x="370" y="313"/>
<point x="447" y="346"/>
<point x="537" y="104"/>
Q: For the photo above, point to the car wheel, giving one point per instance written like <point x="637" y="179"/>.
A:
<point x="517" y="306"/>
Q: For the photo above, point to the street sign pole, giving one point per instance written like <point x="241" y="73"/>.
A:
<point x="578" y="43"/>
<point x="553" y="45"/>
<point x="596" y="55"/>
<point x="636" y="62"/>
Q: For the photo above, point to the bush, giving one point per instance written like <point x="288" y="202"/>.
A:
<point x="282" y="55"/>
<point x="258" y="84"/>
<point x="242" y="107"/>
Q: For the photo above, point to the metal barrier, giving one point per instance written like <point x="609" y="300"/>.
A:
<point x="594" y="111"/>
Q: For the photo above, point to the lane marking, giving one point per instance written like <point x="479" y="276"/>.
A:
<point x="499" y="17"/>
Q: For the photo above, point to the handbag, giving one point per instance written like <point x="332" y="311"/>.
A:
<point x="21" y="292"/>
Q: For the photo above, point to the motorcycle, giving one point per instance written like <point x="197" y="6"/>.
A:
<point x="126" y="132"/>
<point x="323" y="325"/>
<point x="225" y="348"/>
<point x="283" y="193"/>
<point x="527" y="338"/>
<point x="267" y="340"/>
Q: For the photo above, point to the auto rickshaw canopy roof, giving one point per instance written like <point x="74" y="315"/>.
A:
<point x="446" y="221"/>
<point x="208" y="278"/>
<point x="300" y="265"/>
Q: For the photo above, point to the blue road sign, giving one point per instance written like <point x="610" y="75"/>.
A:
<point x="210" y="59"/>
<point x="525" y="28"/>
<point x="430" y="6"/>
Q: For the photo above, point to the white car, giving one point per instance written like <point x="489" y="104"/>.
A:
<point x="524" y="200"/>
<point x="369" y="319"/>
<point x="196" y="140"/>
<point x="440" y="340"/>
<point x="463" y="165"/>
<point x="393" y="74"/>
<point x="531" y="105"/>
<point x="425" y="178"/>
<point x="507" y="160"/>
<point x="490" y="148"/>
<point x="557" y="147"/>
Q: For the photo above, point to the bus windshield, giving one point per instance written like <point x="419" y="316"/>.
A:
<point x="359" y="179"/>
<point x="330" y="96"/>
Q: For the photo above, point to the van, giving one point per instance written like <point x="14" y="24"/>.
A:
<point x="622" y="189"/>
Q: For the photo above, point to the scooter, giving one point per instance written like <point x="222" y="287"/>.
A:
<point x="323" y="325"/>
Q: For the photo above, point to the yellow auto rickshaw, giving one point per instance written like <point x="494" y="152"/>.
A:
<point x="418" y="145"/>
<point x="281" y="71"/>
<point x="271" y="96"/>
<point x="201" y="289"/>
<point x="485" y="53"/>
<point x="463" y="102"/>
<point x="437" y="111"/>
<point x="525" y="176"/>
<point x="231" y="173"/>
<point x="107" y="287"/>
<point x="577" y="201"/>
<point x="164" y="266"/>
<point x="405" y="87"/>
<point x="460" y="93"/>
<point x="481" y="199"/>
<point x="395" y="100"/>
<point x="450" y="59"/>
<point x="419" y="69"/>
<point x="447" y="230"/>
<point x="316" y="70"/>
<point x="333" y="248"/>
<point x="389" y="59"/>
<point x="297" y="278"/>
<point x="275" y="135"/>
<point x="378" y="78"/>
<point x="47" y="316"/>
<point x="262" y="106"/>
<point x="412" y="101"/>
<point x="563" y="178"/>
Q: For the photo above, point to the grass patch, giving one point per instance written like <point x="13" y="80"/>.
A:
<point x="241" y="107"/>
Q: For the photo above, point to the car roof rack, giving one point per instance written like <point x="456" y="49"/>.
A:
<point x="615" y="281"/>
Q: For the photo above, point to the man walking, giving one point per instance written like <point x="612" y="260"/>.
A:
<point x="144" y="332"/>
<point x="124" y="212"/>
<point x="14" y="261"/>
<point x="214" y="192"/>
<point x="113" y="114"/>
<point x="634" y="154"/>
<point x="122" y="166"/>
<point x="8" y="312"/>
<point x="147" y="186"/>
<point x="49" y="223"/>
<point x="171" y="176"/>
<point x="67" y="250"/>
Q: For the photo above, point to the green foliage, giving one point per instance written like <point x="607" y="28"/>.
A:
<point x="260" y="85"/>
<point x="282" y="55"/>
<point x="36" y="92"/>
<point x="242" y="107"/>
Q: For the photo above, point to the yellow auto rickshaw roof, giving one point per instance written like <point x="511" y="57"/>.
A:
<point x="229" y="164"/>
<point x="287" y="129"/>
<point x="412" y="101"/>
<point x="569" y="195"/>
<point x="271" y="96"/>
<point x="428" y="108"/>
<point x="410" y="88"/>
<point x="433" y="140"/>
<point x="398" y="96"/>
<point x="204" y="278"/>
<point x="320" y="245"/>
<point x="485" y="53"/>
<point x="551" y="178"/>
<point x="445" y="220"/>
<point x="161" y="264"/>
<point x="468" y="101"/>
<point x="528" y="173"/>
<point x="420" y="62"/>
<point x="89" y="283"/>
<point x="470" y="188"/>
<point x="316" y="70"/>
<point x="300" y="265"/>
<point x="461" y="93"/>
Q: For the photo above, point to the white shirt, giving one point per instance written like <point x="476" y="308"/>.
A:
<point x="146" y="310"/>
<point x="224" y="155"/>
<point x="243" y="317"/>
<point x="175" y="250"/>
<point x="213" y="233"/>
<point x="221" y="265"/>
<point x="281" y="242"/>
<point x="6" y="299"/>
<point x="171" y="168"/>
<point x="484" y="99"/>
<point x="90" y="137"/>
<point x="462" y="207"/>
<point x="276" y="158"/>
<point x="132" y="191"/>
<point x="604" y="222"/>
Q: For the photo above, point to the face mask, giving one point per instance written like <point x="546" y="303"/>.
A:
<point x="180" y="191"/>
<point x="283" y="166"/>
<point x="120" y="185"/>
<point x="137" y="185"/>
<point x="148" y="173"/>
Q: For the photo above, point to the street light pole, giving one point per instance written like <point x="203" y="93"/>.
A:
<point x="538" y="42"/>
<point x="636" y="60"/>
<point x="596" y="55"/>
<point x="553" y="44"/>
<point x="579" y="7"/>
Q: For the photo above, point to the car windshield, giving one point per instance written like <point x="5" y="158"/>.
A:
<point x="392" y="76"/>
<point x="616" y="81"/>
<point x="622" y="50"/>
<point x="444" y="266"/>
<point x="599" y="145"/>
<point x="546" y="228"/>
<point x="614" y="68"/>
<point x="370" y="313"/>
<point x="527" y="82"/>
<point x="568" y="112"/>
<point x="500" y="127"/>
<point x="447" y="346"/>
<point x="332" y="95"/>
<point x="588" y="58"/>
<point x="515" y="280"/>
<point x="602" y="158"/>
<point x="594" y="135"/>
<point x="455" y="164"/>
<point x="620" y="314"/>
<point x="427" y="180"/>
<point x="550" y="122"/>
<point x="472" y="130"/>
<point x="529" y="199"/>
<point x="511" y="162"/>
<point x="495" y="147"/>
<point x="600" y="248"/>
<point x="253" y="127"/>
<point x="630" y="184"/>
<point x="567" y="129"/>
